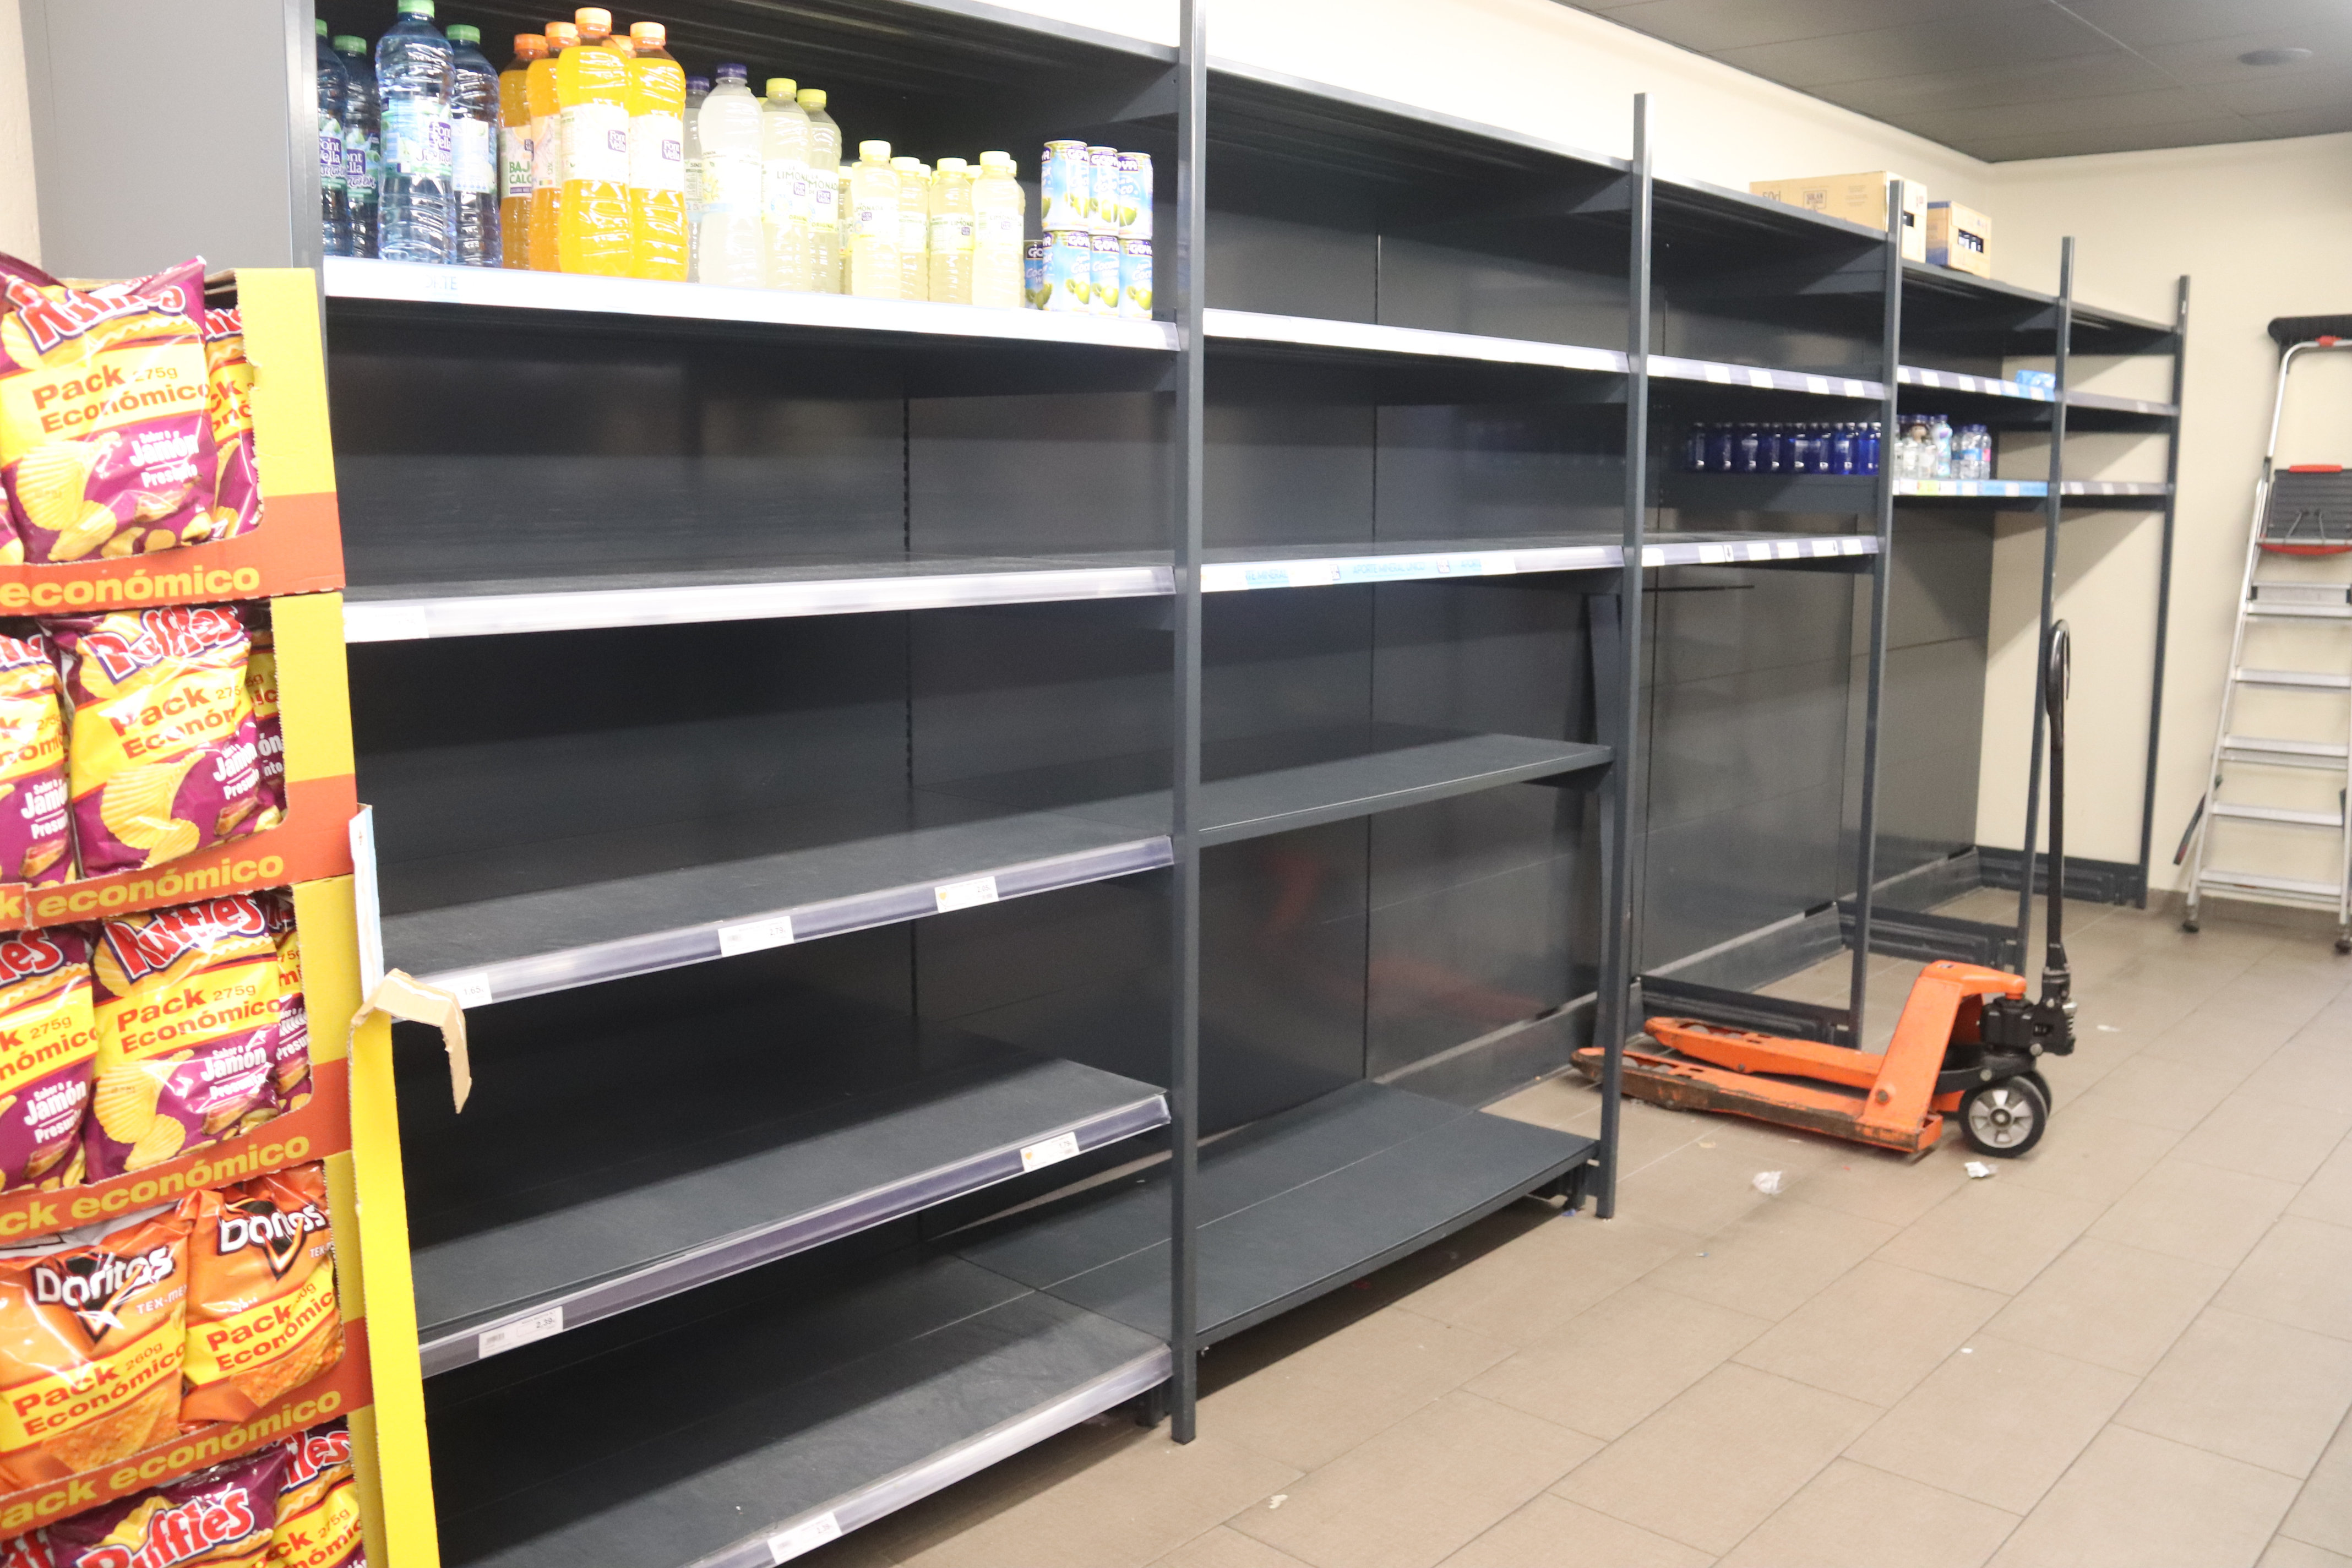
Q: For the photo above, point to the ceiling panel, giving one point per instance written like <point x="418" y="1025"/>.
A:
<point x="2003" y="79"/>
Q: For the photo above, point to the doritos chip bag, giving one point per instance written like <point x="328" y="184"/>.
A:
<point x="105" y="439"/>
<point x="35" y="845"/>
<point x="261" y="1294"/>
<point x="92" y="1335"/>
<point x="187" y="1018"/>
<point x="292" y="1049"/>
<point x="318" y="1503"/>
<point x="162" y="759"/>
<point x="237" y="498"/>
<point x="226" y="1517"/>
<point x="268" y="727"/>
<point x="48" y="1045"/>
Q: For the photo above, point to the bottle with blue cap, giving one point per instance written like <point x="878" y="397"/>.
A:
<point x="733" y="238"/>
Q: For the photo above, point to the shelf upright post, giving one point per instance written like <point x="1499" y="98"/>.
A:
<point x="2164" y="580"/>
<point x="1185" y="903"/>
<point x="1890" y="371"/>
<point x="1616" y="1004"/>
<point x="2052" y="505"/>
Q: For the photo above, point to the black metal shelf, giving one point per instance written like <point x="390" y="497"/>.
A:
<point x="1857" y="494"/>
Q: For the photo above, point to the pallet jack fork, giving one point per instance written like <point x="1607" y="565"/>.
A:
<point x="1969" y="1042"/>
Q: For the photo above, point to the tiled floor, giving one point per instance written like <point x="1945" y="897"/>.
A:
<point x="2132" y="1347"/>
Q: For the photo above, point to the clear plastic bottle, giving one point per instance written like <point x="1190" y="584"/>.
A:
<point x="874" y="272"/>
<point x="658" y="231"/>
<point x="734" y="242"/>
<point x="515" y="169"/>
<point x="949" y="244"/>
<point x="698" y="88"/>
<point x="592" y="95"/>
<point x="997" y="204"/>
<point x="547" y="147"/>
<point x="826" y="263"/>
<point x="1939" y="436"/>
<point x="841" y="246"/>
<point x="787" y="204"/>
<point x="474" y="114"/>
<point x="416" y="218"/>
<point x="362" y="141"/>
<point x="334" y="197"/>
<point x="914" y="228"/>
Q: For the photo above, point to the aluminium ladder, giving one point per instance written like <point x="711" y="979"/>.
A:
<point x="2303" y="512"/>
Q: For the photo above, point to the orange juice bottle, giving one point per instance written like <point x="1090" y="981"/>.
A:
<point x="592" y="97"/>
<point x="514" y="151"/>
<point x="546" y="146"/>
<point x="656" y="157"/>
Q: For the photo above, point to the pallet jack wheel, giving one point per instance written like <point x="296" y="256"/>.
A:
<point x="2189" y="926"/>
<point x="2344" y="944"/>
<point x="2005" y="1118"/>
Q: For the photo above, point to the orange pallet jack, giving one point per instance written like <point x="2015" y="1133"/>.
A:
<point x="1967" y="1041"/>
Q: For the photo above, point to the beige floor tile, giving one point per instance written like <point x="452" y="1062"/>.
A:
<point x="1422" y="1489"/>
<point x="1755" y="1439"/>
<point x="1880" y="1184"/>
<point x="2202" y="1211"/>
<point x="1609" y="1367"/>
<point x="1774" y="1260"/>
<point x="2108" y="1304"/>
<point x="2276" y="989"/>
<point x="1999" y="1424"/>
<point x="1874" y="1333"/>
<point x="1995" y="1233"/>
<point x="915" y="1529"/>
<point x="2248" y="1389"/>
<point x="2267" y="1137"/>
<point x="1696" y="1190"/>
<point x="1139" y="1503"/>
<point x="2217" y="1036"/>
<point x="1559" y="1101"/>
<point x="2327" y="1195"/>
<point x="2285" y="1554"/>
<point x="1851" y="1516"/>
<point x="2087" y="1155"/>
<point x="1520" y="1292"/>
<point x="1312" y="1406"/>
<point x="2314" y="1069"/>
<point x="1225" y="1547"/>
<point x="1553" y="1532"/>
<point x="2178" y="1095"/>
<point x="2137" y="1501"/>
<point x="2322" y="1514"/>
<point x="2301" y="1273"/>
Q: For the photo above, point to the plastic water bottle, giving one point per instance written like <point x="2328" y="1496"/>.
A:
<point x="734" y="239"/>
<point x="784" y="186"/>
<point x="825" y="253"/>
<point x="698" y="88"/>
<point x="362" y="141"/>
<point x="334" y="203"/>
<point x="415" y="206"/>
<point x="473" y="116"/>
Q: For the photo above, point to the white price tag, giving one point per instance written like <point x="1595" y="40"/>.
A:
<point x="1761" y="378"/>
<point x="954" y="896"/>
<point x="1719" y="374"/>
<point x="471" y="990"/>
<point x="807" y="1536"/>
<point x="1495" y="565"/>
<point x="1816" y="384"/>
<point x="751" y="936"/>
<point x="521" y="1331"/>
<point x="1854" y="544"/>
<point x="384" y="623"/>
<point x="1714" y="554"/>
<point x="1051" y="1152"/>
<point x="1786" y="549"/>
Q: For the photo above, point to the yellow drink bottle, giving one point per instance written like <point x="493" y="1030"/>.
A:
<point x="948" y="251"/>
<point x="514" y="151"/>
<point x="787" y="195"/>
<point x="592" y="96"/>
<point x="873" y="272"/>
<point x="914" y="228"/>
<point x="658" y="231"/>
<point x="825" y="192"/>
<point x="841" y="205"/>
<point x="997" y="262"/>
<point x="546" y="146"/>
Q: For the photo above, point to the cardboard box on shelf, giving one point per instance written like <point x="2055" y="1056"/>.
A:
<point x="1959" y="237"/>
<point x="1859" y="198"/>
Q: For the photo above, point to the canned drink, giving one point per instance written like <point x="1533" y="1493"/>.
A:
<point x="1064" y="186"/>
<point x="1102" y="210"/>
<point x="1033" y="275"/>
<point x="1069" y="285"/>
<point x="1133" y="196"/>
<point x="1107" y="269"/>
<point x="1135" y="280"/>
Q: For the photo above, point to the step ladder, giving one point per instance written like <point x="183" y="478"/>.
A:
<point x="2301" y="511"/>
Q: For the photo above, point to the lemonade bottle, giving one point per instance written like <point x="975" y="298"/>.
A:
<point x="840" y="248"/>
<point x="657" y="232"/>
<point x="592" y="96"/>
<point x="914" y="226"/>
<point x="874" y="272"/>
<point x="825" y="192"/>
<point x="785" y="184"/>
<point x="546" y="146"/>
<point x="698" y="88"/>
<point x="514" y="150"/>
<point x="996" y="259"/>
<point x="734" y="249"/>
<point x="950" y="248"/>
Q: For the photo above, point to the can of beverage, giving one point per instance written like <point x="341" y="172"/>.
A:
<point x="1102" y="208"/>
<point x="1066" y="186"/>
<point x="1033" y="275"/>
<point x="1134" y="196"/>
<point x="1135" y="280"/>
<point x="1107" y="278"/>
<point x="1069" y="283"/>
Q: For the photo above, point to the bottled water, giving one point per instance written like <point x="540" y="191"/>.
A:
<point x="362" y="141"/>
<point x="415" y="220"/>
<point x="474" y="115"/>
<point x="698" y="88"/>
<point x="734" y="240"/>
<point x="335" y="206"/>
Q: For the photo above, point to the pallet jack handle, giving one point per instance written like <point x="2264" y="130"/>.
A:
<point x="2057" y="1004"/>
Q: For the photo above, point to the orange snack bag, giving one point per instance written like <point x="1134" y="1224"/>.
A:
<point x="261" y="1294"/>
<point x="93" y="1332"/>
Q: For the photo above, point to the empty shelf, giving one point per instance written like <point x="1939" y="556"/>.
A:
<point x="1293" y="1206"/>
<point x="1408" y="564"/>
<point x="1254" y="805"/>
<point x="1753" y="550"/>
<point x="1370" y="338"/>
<point x="1763" y="379"/>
